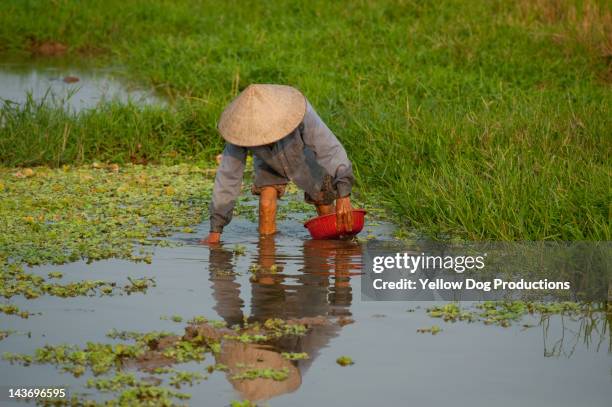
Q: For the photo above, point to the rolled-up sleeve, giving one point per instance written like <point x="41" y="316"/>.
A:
<point x="329" y="153"/>
<point x="228" y="181"/>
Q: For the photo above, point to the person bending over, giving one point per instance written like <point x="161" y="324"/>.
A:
<point x="288" y="142"/>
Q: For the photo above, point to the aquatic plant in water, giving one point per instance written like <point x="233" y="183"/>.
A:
<point x="266" y="373"/>
<point x="91" y="213"/>
<point x="434" y="330"/>
<point x="61" y="215"/>
<point x="345" y="361"/>
<point x="108" y="362"/>
<point x="295" y="356"/>
<point x="504" y="313"/>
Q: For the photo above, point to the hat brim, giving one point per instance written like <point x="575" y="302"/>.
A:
<point x="262" y="114"/>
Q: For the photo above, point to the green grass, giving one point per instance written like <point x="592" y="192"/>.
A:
<point x="480" y="119"/>
<point x="40" y="134"/>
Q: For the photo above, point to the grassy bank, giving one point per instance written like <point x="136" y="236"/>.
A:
<point x="488" y="119"/>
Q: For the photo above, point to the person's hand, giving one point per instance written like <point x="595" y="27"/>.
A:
<point x="212" y="238"/>
<point x="344" y="214"/>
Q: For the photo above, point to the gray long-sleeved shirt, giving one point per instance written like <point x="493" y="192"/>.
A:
<point x="304" y="157"/>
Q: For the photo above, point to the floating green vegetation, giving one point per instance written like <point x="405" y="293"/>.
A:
<point x="504" y="313"/>
<point x="96" y="212"/>
<point x="103" y="358"/>
<point x="198" y="319"/>
<point x="295" y="356"/>
<point x="15" y="281"/>
<point x="98" y="357"/>
<point x="131" y="392"/>
<point x="144" y="338"/>
<point x="219" y="367"/>
<point x="295" y="207"/>
<point x="257" y="332"/>
<point x="247" y="338"/>
<point x="217" y="324"/>
<point x="154" y="352"/>
<point x="118" y="382"/>
<point x="138" y="285"/>
<point x="257" y="269"/>
<point x="345" y="361"/>
<point x="434" y="330"/>
<point x="265" y="373"/>
<point x="176" y="318"/>
<point x="254" y="269"/>
<point x="186" y="351"/>
<point x="10" y="309"/>
<point x="450" y="312"/>
<point x="277" y="328"/>
<point x="239" y="250"/>
<point x="183" y="378"/>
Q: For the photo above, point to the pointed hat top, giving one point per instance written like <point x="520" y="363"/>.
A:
<point x="262" y="114"/>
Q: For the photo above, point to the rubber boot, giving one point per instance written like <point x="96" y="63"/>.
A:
<point x="267" y="211"/>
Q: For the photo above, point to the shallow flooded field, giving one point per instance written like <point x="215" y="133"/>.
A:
<point x="465" y="121"/>
<point x="62" y="83"/>
<point x="556" y="360"/>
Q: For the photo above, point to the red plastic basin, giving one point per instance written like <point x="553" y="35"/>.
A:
<point x="324" y="227"/>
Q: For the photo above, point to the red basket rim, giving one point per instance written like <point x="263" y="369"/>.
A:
<point x="328" y="215"/>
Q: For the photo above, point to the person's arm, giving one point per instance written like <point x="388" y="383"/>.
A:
<point x="331" y="155"/>
<point x="228" y="181"/>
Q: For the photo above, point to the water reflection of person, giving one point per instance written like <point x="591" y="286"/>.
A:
<point x="319" y="290"/>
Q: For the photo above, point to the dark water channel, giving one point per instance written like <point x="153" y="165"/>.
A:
<point x="558" y="362"/>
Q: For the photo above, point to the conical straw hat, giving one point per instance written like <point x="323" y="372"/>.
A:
<point x="262" y="114"/>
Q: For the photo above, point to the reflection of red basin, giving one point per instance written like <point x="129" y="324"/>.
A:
<point x="324" y="227"/>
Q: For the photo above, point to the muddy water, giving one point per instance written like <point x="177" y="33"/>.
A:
<point x="562" y="362"/>
<point x="74" y="87"/>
